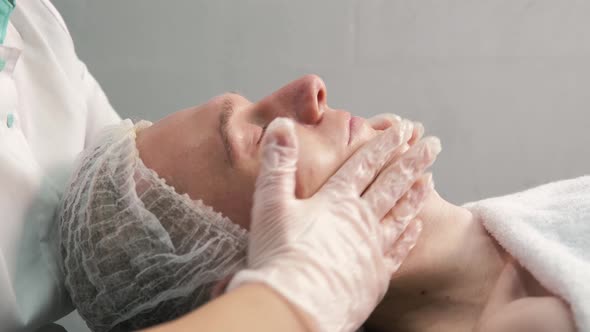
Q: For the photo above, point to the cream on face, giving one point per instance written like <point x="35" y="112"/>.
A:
<point x="211" y="151"/>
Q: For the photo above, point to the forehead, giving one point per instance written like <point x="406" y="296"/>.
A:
<point x="184" y="141"/>
<point x="198" y="128"/>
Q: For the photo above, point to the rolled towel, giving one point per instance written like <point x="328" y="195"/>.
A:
<point x="547" y="229"/>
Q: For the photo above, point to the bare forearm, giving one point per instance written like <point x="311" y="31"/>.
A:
<point x="252" y="307"/>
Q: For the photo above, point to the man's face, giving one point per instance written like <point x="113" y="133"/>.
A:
<point x="212" y="152"/>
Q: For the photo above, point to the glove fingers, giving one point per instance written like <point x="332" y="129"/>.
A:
<point x="402" y="247"/>
<point x="410" y="205"/>
<point x="275" y="184"/>
<point x="407" y="208"/>
<point x="390" y="231"/>
<point x="384" y="120"/>
<point x="360" y="169"/>
<point x="397" y="178"/>
<point x="417" y="133"/>
<point x="416" y="136"/>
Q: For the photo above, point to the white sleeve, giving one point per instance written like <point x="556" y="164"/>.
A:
<point x="100" y="112"/>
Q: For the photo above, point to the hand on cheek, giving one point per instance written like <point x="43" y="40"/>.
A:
<point x="386" y="120"/>
<point x="410" y="205"/>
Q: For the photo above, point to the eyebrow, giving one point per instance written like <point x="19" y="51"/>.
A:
<point x="227" y="109"/>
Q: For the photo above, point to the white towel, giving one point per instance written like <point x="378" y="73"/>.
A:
<point x="547" y="229"/>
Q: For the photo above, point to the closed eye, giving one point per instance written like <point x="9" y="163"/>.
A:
<point x="261" y="134"/>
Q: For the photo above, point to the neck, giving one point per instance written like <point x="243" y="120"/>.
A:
<point x="445" y="281"/>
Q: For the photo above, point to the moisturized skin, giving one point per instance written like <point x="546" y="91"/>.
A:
<point x="187" y="149"/>
<point x="456" y="279"/>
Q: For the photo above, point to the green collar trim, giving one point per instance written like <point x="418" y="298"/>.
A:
<point x="6" y="8"/>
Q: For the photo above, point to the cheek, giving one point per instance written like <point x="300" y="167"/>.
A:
<point x="317" y="162"/>
<point x="231" y="195"/>
<point x="236" y="203"/>
<point x="320" y="158"/>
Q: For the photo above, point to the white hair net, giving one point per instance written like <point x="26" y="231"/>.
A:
<point x="136" y="253"/>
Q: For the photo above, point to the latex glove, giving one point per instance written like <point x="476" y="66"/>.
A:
<point x="408" y="207"/>
<point x="384" y="121"/>
<point x="329" y="255"/>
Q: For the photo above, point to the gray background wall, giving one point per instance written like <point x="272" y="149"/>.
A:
<point x="505" y="84"/>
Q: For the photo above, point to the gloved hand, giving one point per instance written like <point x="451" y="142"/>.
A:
<point x="384" y="121"/>
<point x="403" y="214"/>
<point x="329" y="255"/>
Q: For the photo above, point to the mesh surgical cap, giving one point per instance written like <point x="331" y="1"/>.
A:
<point x="135" y="252"/>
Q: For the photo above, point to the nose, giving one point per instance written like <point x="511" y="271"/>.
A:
<point x="303" y="100"/>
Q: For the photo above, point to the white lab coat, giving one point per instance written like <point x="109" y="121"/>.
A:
<point x="57" y="107"/>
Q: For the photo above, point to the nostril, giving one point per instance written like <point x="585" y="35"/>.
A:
<point x="321" y="97"/>
<point x="309" y="97"/>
